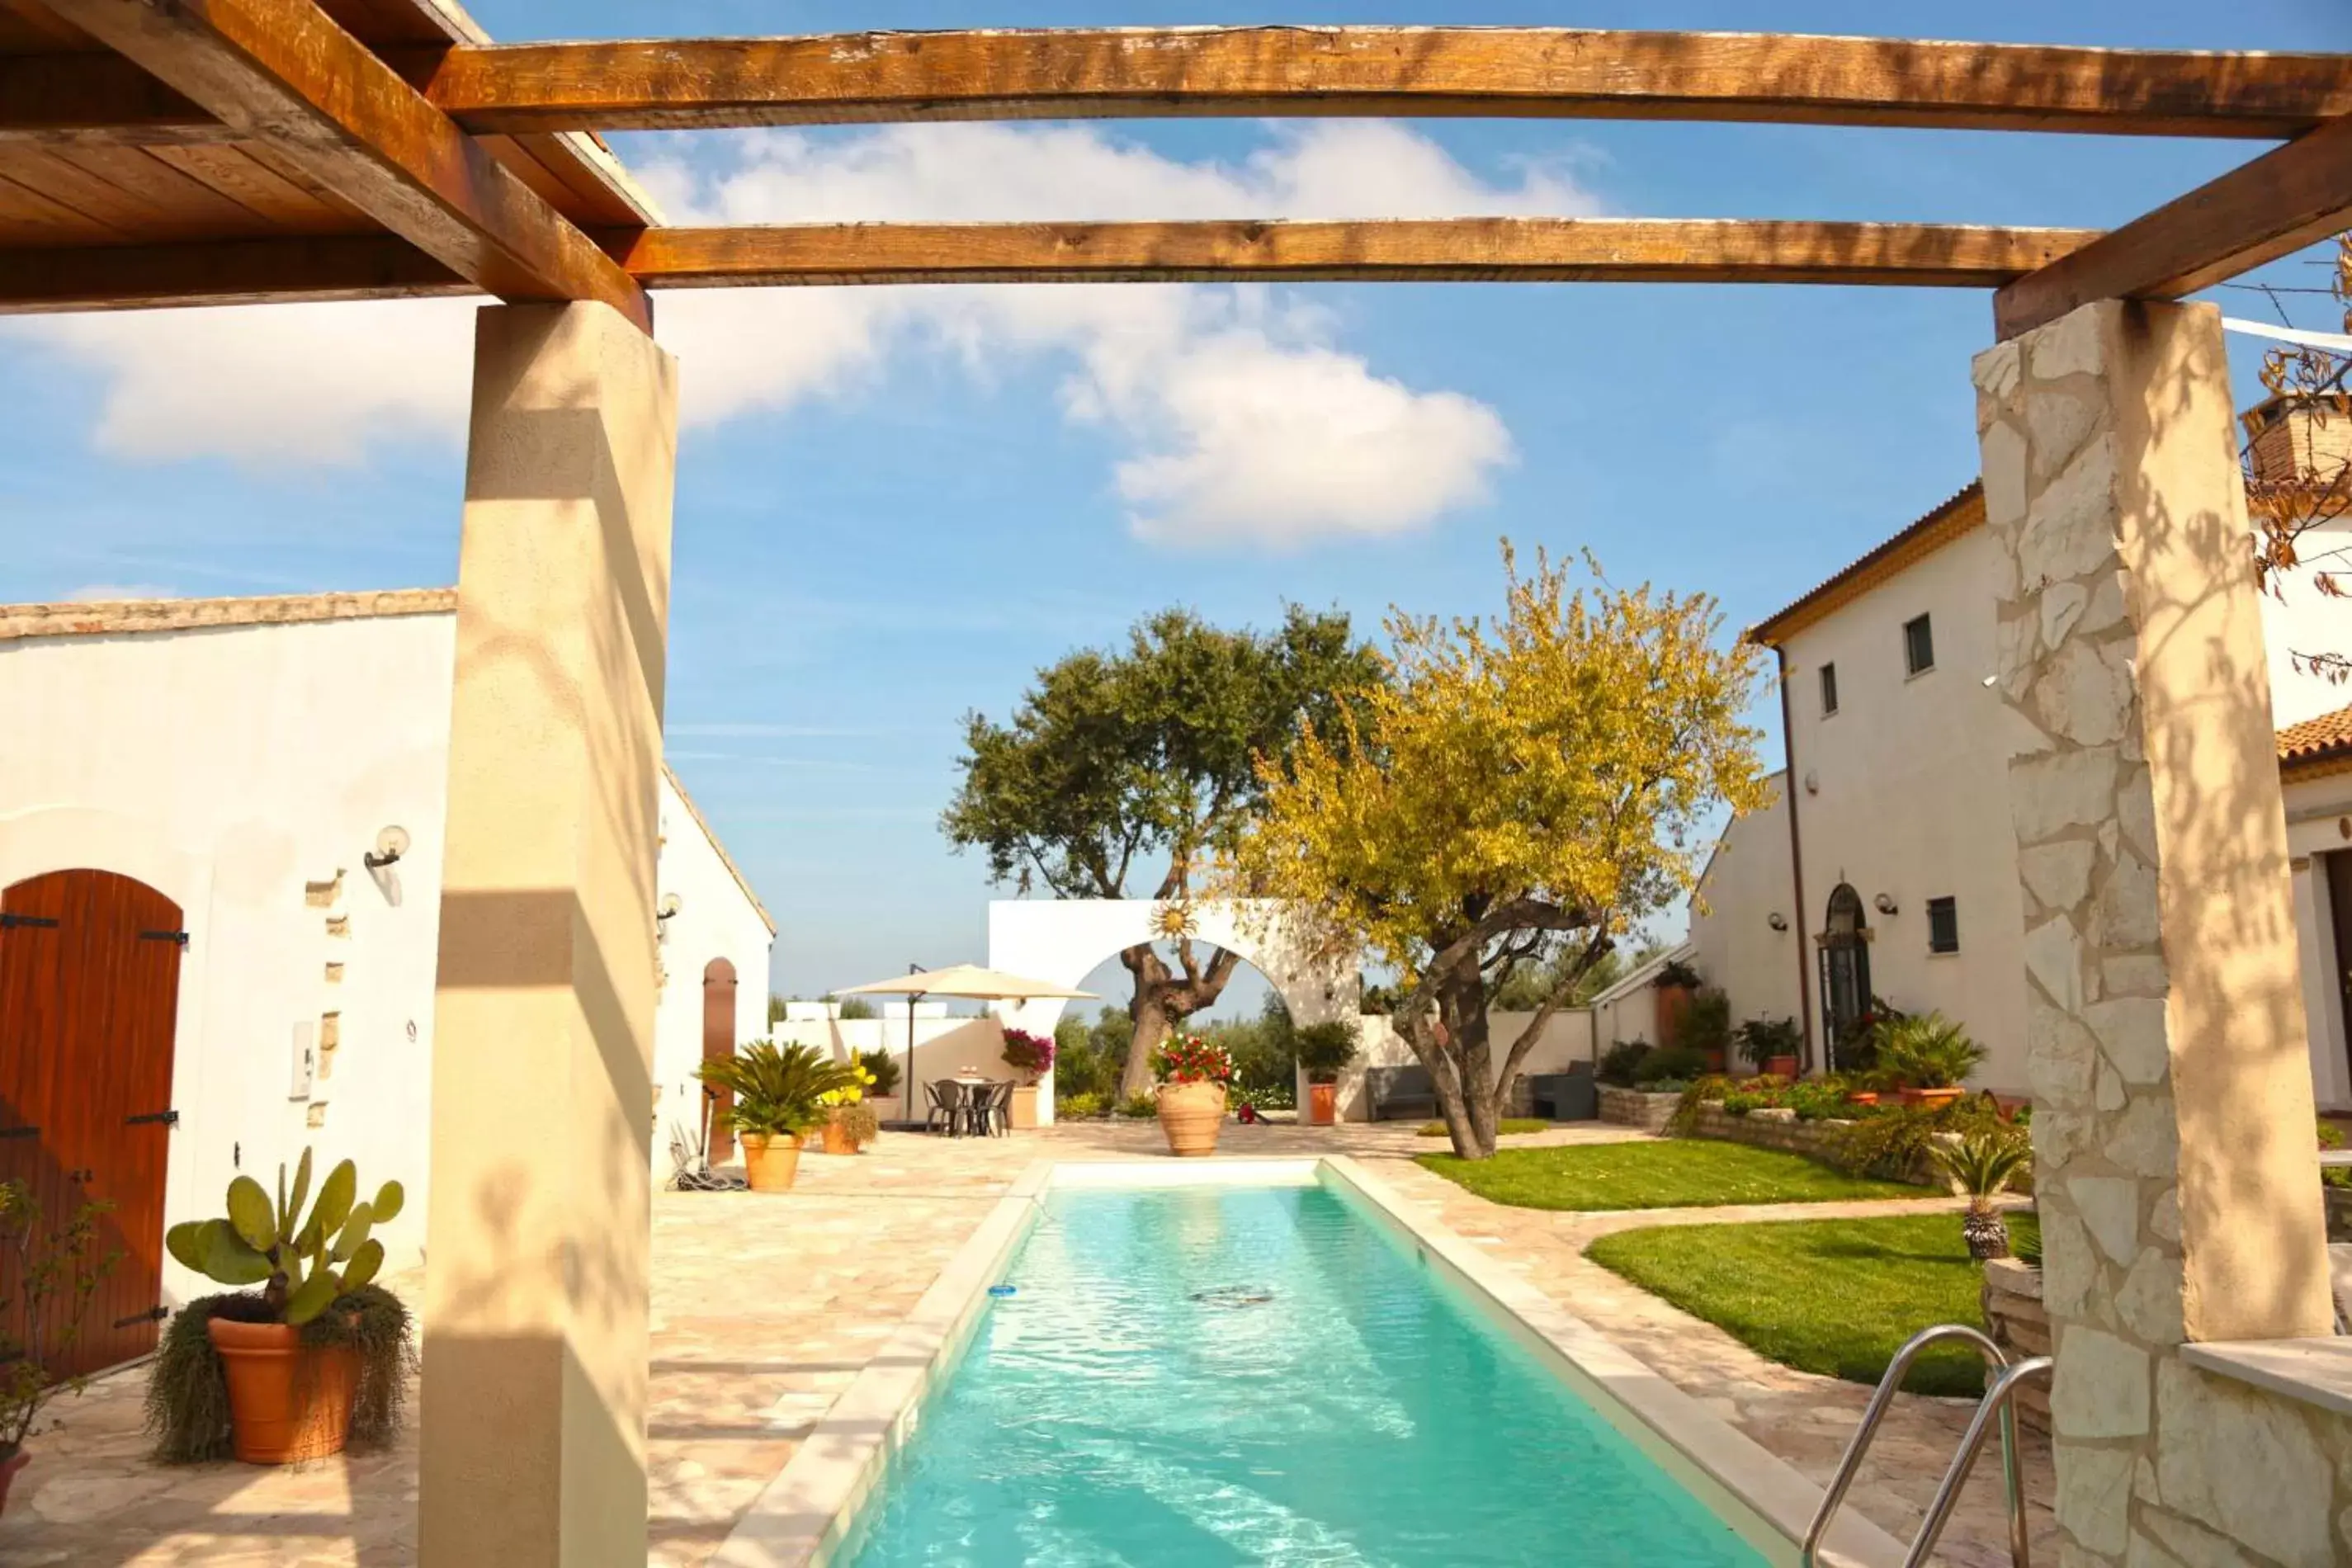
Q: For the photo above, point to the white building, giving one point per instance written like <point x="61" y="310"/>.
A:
<point x="220" y="861"/>
<point x="1897" y="873"/>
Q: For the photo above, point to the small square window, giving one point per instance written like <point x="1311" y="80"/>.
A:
<point x="1829" y="689"/>
<point x="1918" y="646"/>
<point x="1943" y="925"/>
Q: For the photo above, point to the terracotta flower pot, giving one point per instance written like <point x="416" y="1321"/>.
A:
<point x="1929" y="1097"/>
<point x="837" y="1141"/>
<point x="1782" y="1068"/>
<point x="769" y="1164"/>
<point x="1863" y="1096"/>
<point x="286" y="1402"/>
<point x="8" y="1468"/>
<point x="1191" y="1115"/>
<point x="1322" y="1104"/>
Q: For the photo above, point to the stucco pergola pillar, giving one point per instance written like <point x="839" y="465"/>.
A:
<point x="2174" y="1167"/>
<point x="538" y="1231"/>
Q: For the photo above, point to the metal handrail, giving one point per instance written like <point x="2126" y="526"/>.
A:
<point x="2001" y="1400"/>
<point x="1834" y="1496"/>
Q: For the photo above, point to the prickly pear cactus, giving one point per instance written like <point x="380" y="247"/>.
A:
<point x="302" y="1263"/>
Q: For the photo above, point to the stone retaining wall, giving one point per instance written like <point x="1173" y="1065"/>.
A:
<point x="1632" y="1108"/>
<point x="2019" y="1323"/>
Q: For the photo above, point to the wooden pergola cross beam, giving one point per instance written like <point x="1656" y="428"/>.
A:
<point x="281" y="73"/>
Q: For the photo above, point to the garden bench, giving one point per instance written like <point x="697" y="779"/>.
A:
<point x="1400" y="1091"/>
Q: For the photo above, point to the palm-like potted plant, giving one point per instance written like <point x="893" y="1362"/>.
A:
<point x="779" y="1099"/>
<point x="1193" y="1075"/>
<point x="1771" y="1046"/>
<point x="1980" y="1166"/>
<point x="1705" y="1027"/>
<point x="58" y="1273"/>
<point x="1926" y="1057"/>
<point x="295" y="1366"/>
<point x="1034" y="1055"/>
<point x="1324" y="1051"/>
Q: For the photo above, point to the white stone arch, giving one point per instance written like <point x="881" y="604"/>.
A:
<point x="1064" y="940"/>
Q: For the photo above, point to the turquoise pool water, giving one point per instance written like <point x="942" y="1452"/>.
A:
<point x="1199" y="1376"/>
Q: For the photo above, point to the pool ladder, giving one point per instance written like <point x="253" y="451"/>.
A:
<point x="1999" y="1400"/>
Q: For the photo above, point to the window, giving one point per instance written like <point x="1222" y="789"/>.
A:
<point x="1943" y="925"/>
<point x="1828" y="690"/>
<point x="1918" y="646"/>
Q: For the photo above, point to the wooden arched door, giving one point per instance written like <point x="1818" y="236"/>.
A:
<point x="89" y="991"/>
<point x="719" y="1040"/>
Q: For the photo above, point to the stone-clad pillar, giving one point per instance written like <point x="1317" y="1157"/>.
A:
<point x="2172" y="1129"/>
<point x="533" y="1408"/>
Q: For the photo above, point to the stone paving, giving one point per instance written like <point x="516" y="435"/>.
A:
<point x="764" y="1308"/>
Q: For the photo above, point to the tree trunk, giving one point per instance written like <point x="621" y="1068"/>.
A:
<point x="1454" y="1047"/>
<point x="1163" y="1000"/>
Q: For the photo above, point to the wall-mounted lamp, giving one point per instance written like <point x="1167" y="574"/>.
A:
<point x="391" y="844"/>
<point x="1883" y="904"/>
<point x="1777" y="920"/>
<point x="664" y="913"/>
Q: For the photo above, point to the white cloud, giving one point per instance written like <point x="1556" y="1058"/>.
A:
<point x="1241" y="417"/>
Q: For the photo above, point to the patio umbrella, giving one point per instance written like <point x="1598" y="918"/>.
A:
<point x="967" y="982"/>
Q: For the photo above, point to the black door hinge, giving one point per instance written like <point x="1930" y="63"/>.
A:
<point x="177" y="938"/>
<point x="8" y="921"/>
<point x="19" y="1133"/>
<point x="152" y="1315"/>
<point x="168" y="1118"/>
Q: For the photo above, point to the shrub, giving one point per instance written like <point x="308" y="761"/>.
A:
<point x="2331" y="1137"/>
<point x="1619" y="1062"/>
<point x="1896" y="1140"/>
<point x="1739" y="1102"/>
<point x="857" y="1120"/>
<point x="1818" y="1099"/>
<point x="1675" y="973"/>
<point x="1856" y="1043"/>
<point x="1674" y="1062"/>
<point x="1136" y="1107"/>
<point x="1263" y="1096"/>
<point x="1762" y="1039"/>
<point x="1032" y="1053"/>
<point x="1077" y="1107"/>
<point x="884" y="1068"/>
<point x="58" y="1272"/>
<point x="1928" y="1051"/>
<point x="1668" y="1086"/>
<point x="1705" y="1026"/>
<point x="1324" y="1050"/>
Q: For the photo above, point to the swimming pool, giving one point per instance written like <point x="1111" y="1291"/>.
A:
<point x="1211" y="1374"/>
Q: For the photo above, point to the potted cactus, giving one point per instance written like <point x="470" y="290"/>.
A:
<point x="290" y="1354"/>
<point x="779" y="1102"/>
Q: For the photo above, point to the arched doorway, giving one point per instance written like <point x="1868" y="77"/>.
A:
<point x="1845" y="967"/>
<point x="89" y="991"/>
<point x="719" y="1040"/>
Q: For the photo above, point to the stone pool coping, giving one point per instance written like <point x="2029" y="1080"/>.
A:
<point x="806" y="1510"/>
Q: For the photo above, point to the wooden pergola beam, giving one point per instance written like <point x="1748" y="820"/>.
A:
<point x="95" y="100"/>
<point x="2289" y="197"/>
<point x="1501" y="250"/>
<point x="282" y="72"/>
<point x="225" y="272"/>
<point x="1497" y="72"/>
<point x="1527" y="250"/>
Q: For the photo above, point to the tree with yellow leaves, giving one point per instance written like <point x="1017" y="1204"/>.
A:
<point x="1517" y="796"/>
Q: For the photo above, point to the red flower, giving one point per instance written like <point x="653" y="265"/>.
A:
<point x="1188" y="1058"/>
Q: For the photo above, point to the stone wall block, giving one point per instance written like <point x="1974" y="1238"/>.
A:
<point x="2248" y="1466"/>
<point x="2069" y="528"/>
<point x="2101" y="1389"/>
<point x="2072" y="345"/>
<point x="2064" y="789"/>
<point x="2057" y="875"/>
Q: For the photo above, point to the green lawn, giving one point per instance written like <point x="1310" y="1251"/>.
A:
<point x="1506" y="1128"/>
<point x="1831" y="1296"/>
<point x="1672" y="1174"/>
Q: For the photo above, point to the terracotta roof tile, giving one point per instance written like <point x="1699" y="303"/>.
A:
<point x="1962" y="513"/>
<point x="2316" y="745"/>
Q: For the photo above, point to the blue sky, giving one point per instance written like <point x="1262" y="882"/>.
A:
<point x="892" y="510"/>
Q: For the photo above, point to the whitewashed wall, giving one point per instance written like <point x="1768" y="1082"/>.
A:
<point x="1905" y="792"/>
<point x="944" y="1046"/>
<point x="2320" y="823"/>
<point x="716" y="918"/>
<point x="243" y="772"/>
<point x="1745" y="884"/>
